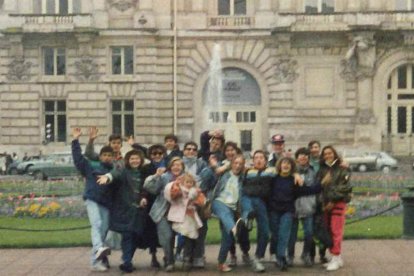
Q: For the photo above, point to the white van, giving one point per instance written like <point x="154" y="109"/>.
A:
<point x="370" y="161"/>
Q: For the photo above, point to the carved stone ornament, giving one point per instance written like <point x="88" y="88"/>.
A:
<point x="86" y="69"/>
<point x="123" y="5"/>
<point x="365" y="116"/>
<point x="19" y="70"/>
<point x="359" y="61"/>
<point x="285" y="70"/>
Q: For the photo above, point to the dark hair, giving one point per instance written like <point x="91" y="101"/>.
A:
<point x="131" y="153"/>
<point x="311" y="143"/>
<point x="171" y="137"/>
<point x="190" y="143"/>
<point x="260" y="152"/>
<point x="233" y="145"/>
<point x="175" y="159"/>
<point x="106" y="149"/>
<point x="115" y="137"/>
<point x="304" y="151"/>
<point x="156" y="147"/>
<point x="221" y="138"/>
<point x="336" y="156"/>
<point x="288" y="159"/>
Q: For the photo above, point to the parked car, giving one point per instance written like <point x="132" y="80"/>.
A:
<point x="370" y="161"/>
<point x="54" y="167"/>
<point x="21" y="167"/>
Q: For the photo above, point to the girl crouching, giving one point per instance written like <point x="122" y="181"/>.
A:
<point x="184" y="198"/>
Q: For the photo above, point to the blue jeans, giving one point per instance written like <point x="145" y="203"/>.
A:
<point x="307" y="223"/>
<point x="98" y="216"/>
<point x="129" y="244"/>
<point x="227" y="222"/>
<point x="281" y="225"/>
<point x="166" y="238"/>
<point x="258" y="206"/>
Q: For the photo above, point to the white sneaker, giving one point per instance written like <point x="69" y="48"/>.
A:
<point x="199" y="262"/>
<point x="335" y="263"/>
<point x="102" y="252"/>
<point x="99" y="266"/>
<point x="257" y="266"/>
<point x="273" y="258"/>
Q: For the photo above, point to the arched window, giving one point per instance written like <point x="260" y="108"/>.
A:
<point x="400" y="100"/>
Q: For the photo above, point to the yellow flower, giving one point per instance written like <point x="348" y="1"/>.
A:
<point x="350" y="210"/>
<point x="54" y="206"/>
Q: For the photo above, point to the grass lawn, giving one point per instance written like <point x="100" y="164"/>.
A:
<point x="387" y="227"/>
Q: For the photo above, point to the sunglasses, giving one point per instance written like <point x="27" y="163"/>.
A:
<point x="191" y="149"/>
<point x="157" y="153"/>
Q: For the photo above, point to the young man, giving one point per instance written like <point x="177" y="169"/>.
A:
<point x="211" y="143"/>
<point x="97" y="198"/>
<point x="171" y="144"/>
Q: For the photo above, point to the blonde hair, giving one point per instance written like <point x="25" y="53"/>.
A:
<point x="189" y="177"/>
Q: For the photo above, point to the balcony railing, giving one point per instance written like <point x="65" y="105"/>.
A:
<point x="52" y="22"/>
<point x="231" y="21"/>
<point x="343" y="20"/>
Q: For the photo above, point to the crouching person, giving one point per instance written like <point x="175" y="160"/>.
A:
<point x="128" y="213"/>
<point x="184" y="198"/>
<point x="97" y="198"/>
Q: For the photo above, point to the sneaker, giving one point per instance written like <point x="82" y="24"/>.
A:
<point x="105" y="261"/>
<point x="199" y="262"/>
<point x="99" y="266"/>
<point x="224" y="268"/>
<point x="127" y="268"/>
<point x="307" y="260"/>
<point x="102" y="252"/>
<point x="169" y="268"/>
<point x="283" y="264"/>
<point x="257" y="266"/>
<point x="178" y="257"/>
<point x="246" y="259"/>
<point x="273" y="258"/>
<point x="233" y="261"/>
<point x="335" y="263"/>
<point x="289" y="260"/>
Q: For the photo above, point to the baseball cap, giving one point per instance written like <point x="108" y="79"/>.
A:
<point x="277" y="138"/>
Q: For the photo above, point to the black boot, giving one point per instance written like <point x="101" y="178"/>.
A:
<point x="282" y="263"/>
<point x="154" y="261"/>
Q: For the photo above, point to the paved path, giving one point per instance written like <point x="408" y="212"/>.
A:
<point x="362" y="257"/>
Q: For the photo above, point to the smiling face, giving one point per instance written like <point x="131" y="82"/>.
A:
<point x="302" y="160"/>
<point x="106" y="157"/>
<point x="190" y="151"/>
<point x="215" y="145"/>
<point x="328" y="155"/>
<point x="285" y="167"/>
<point x="230" y="152"/>
<point x="315" y="150"/>
<point x="170" y="144"/>
<point x="157" y="155"/>
<point x="278" y="147"/>
<point x="237" y="165"/>
<point x="135" y="161"/>
<point x="177" y="167"/>
<point x="116" y="145"/>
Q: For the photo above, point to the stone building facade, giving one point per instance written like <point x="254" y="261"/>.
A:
<point x="339" y="71"/>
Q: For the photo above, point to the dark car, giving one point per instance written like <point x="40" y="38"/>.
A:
<point x="54" y="167"/>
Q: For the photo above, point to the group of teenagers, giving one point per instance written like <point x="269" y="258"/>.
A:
<point x="161" y="196"/>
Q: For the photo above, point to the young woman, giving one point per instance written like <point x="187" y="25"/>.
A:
<point x="336" y="193"/>
<point x="155" y="185"/>
<point x="282" y="198"/>
<point x="127" y="213"/>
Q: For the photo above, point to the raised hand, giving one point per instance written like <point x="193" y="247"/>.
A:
<point x="160" y="171"/>
<point x="130" y="140"/>
<point x="143" y="203"/>
<point x="76" y="133"/>
<point x="102" y="180"/>
<point x="93" y="133"/>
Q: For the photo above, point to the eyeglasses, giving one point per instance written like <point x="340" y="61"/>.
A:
<point x="157" y="153"/>
<point x="191" y="149"/>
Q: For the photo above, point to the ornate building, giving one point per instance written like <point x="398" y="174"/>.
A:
<point x="340" y="71"/>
